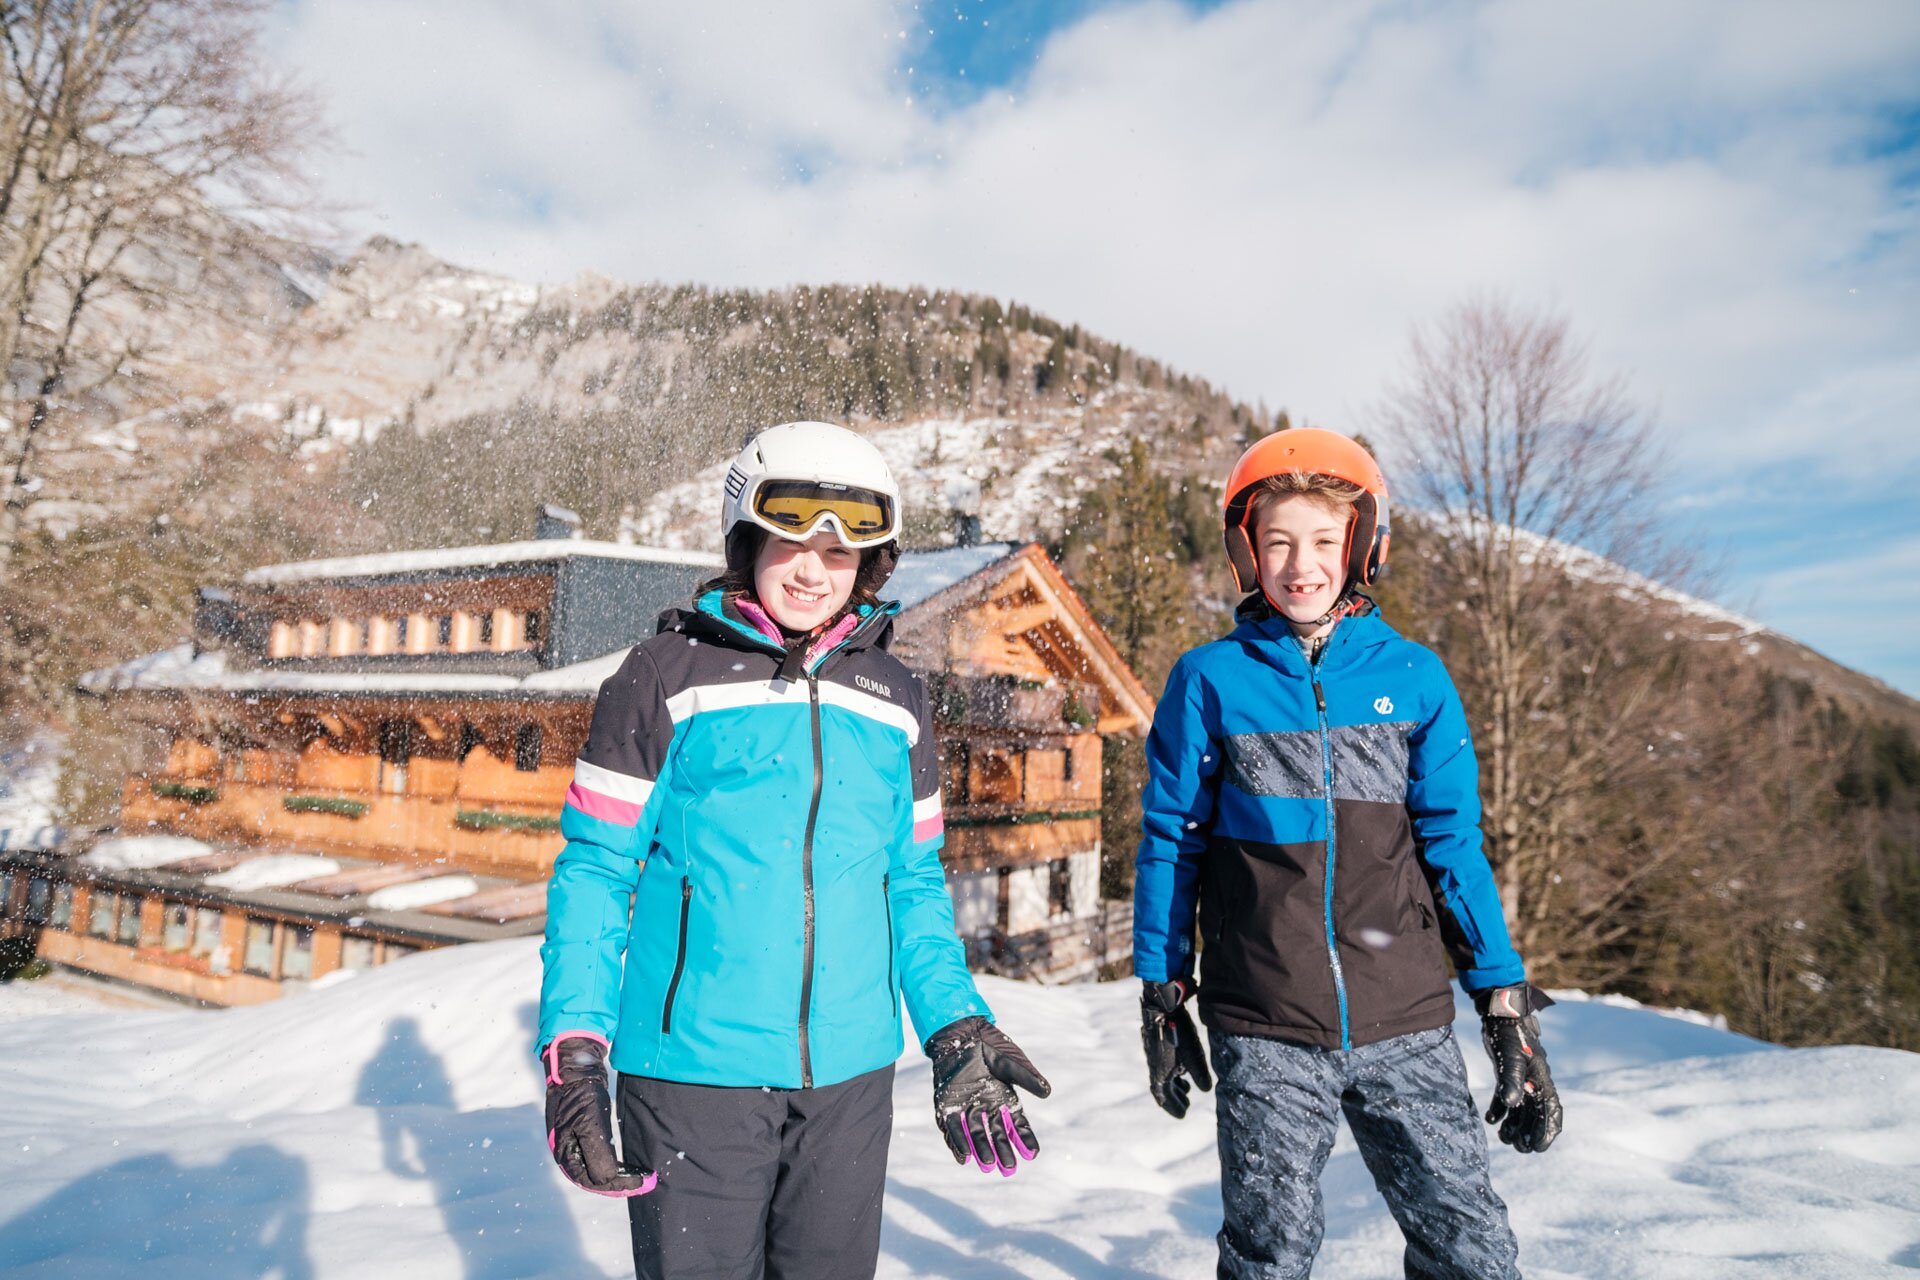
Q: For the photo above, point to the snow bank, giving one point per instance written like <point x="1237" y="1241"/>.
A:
<point x="392" y="1126"/>
<point x="422" y="893"/>
<point x="274" y="870"/>
<point x="141" y="853"/>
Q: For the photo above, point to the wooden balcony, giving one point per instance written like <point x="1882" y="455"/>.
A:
<point x="450" y="832"/>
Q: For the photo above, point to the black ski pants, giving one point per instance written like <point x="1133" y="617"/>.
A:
<point x="783" y="1184"/>
<point x="1406" y="1099"/>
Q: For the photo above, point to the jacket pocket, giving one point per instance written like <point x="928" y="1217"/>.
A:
<point x="886" y="902"/>
<point x="679" y="959"/>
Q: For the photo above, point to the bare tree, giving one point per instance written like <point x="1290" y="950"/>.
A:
<point x="1525" y="470"/>
<point x="142" y="146"/>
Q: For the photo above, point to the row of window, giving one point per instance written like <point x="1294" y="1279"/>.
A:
<point x="458" y="631"/>
<point x="272" y="949"/>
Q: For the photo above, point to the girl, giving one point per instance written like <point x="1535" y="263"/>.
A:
<point x="751" y="882"/>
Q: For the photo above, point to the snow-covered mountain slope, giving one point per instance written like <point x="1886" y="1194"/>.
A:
<point x="389" y="1124"/>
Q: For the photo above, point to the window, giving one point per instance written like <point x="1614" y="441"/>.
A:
<point x="1060" y="887"/>
<point x="283" y="642"/>
<point x="312" y="637"/>
<point x="486" y="630"/>
<point x="207" y="923"/>
<point x="296" y="956"/>
<point x="470" y="738"/>
<point x="258" y="957"/>
<point x="1066" y="764"/>
<point x="357" y="952"/>
<point x="130" y="906"/>
<point x="397" y="951"/>
<point x="396" y="748"/>
<point x="526" y="748"/>
<point x="100" y="913"/>
<point x="6" y="891"/>
<point x="532" y="626"/>
<point x="173" y="936"/>
<point x="62" y="905"/>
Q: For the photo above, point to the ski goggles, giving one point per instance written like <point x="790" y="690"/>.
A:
<point x="795" y="508"/>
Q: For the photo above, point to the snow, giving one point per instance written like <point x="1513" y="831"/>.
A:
<point x="422" y="893"/>
<point x="922" y="575"/>
<point x="382" y="564"/>
<point x="30" y="792"/>
<point x="274" y="870"/>
<point x="1588" y="566"/>
<point x="181" y="668"/>
<point x="140" y="853"/>
<point x="391" y="1125"/>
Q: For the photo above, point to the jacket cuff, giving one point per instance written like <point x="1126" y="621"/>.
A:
<point x="1515" y="1000"/>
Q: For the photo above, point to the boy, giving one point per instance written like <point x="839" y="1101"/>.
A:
<point x="1312" y="791"/>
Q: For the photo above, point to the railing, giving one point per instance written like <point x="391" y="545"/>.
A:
<point x="1071" y="950"/>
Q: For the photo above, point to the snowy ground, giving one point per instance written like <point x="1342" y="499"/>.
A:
<point x="390" y="1125"/>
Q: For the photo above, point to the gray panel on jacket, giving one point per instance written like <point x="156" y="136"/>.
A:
<point x="1277" y="764"/>
<point x="1370" y="761"/>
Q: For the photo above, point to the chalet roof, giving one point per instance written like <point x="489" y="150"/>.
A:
<point x="1023" y="600"/>
<point x="930" y="585"/>
<point x="420" y="901"/>
<point x="389" y="564"/>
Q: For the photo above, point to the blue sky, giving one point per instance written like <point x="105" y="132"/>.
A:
<point x="1724" y="197"/>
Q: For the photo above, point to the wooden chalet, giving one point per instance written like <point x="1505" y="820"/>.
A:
<point x="368" y="756"/>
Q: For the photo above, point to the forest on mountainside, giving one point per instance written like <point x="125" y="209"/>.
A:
<point x="698" y="371"/>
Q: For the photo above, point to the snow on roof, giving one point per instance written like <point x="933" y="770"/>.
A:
<point x="389" y="563"/>
<point x="273" y="871"/>
<point x="923" y="574"/>
<point x="422" y="893"/>
<point x="142" y="853"/>
<point x="180" y="670"/>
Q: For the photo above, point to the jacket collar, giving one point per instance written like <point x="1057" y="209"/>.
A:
<point x="1268" y="634"/>
<point x="711" y="618"/>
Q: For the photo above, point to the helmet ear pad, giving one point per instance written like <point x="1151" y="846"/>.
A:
<point x="1246" y="570"/>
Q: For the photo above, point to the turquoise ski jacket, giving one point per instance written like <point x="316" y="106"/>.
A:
<point x="752" y="880"/>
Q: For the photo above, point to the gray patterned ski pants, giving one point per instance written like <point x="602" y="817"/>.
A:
<point x="1406" y="1099"/>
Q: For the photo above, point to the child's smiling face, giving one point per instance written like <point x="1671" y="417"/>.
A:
<point x="803" y="584"/>
<point x="1300" y="543"/>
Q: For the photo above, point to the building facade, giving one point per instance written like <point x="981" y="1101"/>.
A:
<point x="368" y="756"/>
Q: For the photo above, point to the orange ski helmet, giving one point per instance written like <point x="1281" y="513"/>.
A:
<point x="1310" y="451"/>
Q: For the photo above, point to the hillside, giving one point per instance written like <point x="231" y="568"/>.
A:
<point x="389" y="1124"/>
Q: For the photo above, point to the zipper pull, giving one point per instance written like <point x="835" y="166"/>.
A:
<point x="1319" y="698"/>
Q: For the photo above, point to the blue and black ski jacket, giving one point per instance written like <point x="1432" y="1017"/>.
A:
<point x="1324" y="820"/>
<point x="752" y="876"/>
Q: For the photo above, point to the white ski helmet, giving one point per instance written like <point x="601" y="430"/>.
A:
<point x="797" y="478"/>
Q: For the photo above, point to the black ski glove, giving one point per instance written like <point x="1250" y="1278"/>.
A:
<point x="973" y="1064"/>
<point x="580" y="1118"/>
<point x="1174" y="1051"/>
<point x="1526" y="1106"/>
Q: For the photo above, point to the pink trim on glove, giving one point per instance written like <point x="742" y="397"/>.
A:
<point x="553" y="1045"/>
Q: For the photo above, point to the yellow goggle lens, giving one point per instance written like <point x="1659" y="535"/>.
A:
<point x="799" y="507"/>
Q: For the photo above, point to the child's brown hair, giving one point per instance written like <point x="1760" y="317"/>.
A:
<point x="1337" y="496"/>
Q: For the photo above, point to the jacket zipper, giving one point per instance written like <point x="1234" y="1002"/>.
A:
<point x="886" y="898"/>
<point x="680" y="958"/>
<point x="1333" y="947"/>
<point x="806" y="879"/>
